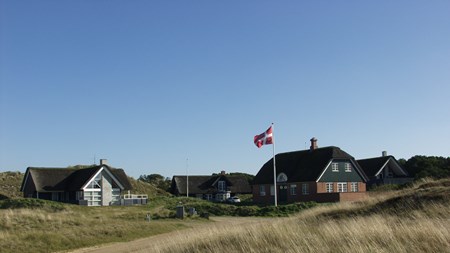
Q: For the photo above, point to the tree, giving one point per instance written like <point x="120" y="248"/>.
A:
<point x="156" y="180"/>
<point x="427" y="166"/>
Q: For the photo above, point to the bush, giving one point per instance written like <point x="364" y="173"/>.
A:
<point x="246" y="211"/>
<point x="31" y="204"/>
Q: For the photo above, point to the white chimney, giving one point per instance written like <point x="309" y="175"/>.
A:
<point x="384" y="153"/>
<point x="103" y="161"/>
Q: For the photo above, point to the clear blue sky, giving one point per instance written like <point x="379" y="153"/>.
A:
<point x="149" y="84"/>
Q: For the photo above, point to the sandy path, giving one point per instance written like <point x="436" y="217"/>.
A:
<point x="140" y="244"/>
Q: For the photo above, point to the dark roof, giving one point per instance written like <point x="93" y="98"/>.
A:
<point x="208" y="184"/>
<point x="302" y="166"/>
<point x="372" y="166"/>
<point x="69" y="179"/>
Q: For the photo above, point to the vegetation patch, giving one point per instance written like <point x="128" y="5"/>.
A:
<point x="31" y="204"/>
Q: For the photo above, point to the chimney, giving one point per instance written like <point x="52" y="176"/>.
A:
<point x="222" y="172"/>
<point x="313" y="144"/>
<point x="384" y="153"/>
<point x="103" y="161"/>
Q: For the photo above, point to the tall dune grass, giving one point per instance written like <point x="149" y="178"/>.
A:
<point x="416" y="219"/>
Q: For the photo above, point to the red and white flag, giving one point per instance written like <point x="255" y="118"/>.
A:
<point x="264" y="138"/>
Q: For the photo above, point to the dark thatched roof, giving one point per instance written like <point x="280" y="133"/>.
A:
<point x="69" y="179"/>
<point x="208" y="184"/>
<point x="302" y="166"/>
<point x="372" y="166"/>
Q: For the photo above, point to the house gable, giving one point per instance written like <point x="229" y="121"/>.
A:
<point x="374" y="166"/>
<point x="340" y="170"/>
<point x="392" y="164"/>
<point x="110" y="176"/>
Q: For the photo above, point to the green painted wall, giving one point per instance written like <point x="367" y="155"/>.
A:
<point x="341" y="175"/>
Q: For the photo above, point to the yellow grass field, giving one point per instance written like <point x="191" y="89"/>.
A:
<point x="412" y="220"/>
<point x="415" y="219"/>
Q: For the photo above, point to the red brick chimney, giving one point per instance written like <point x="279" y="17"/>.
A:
<point x="313" y="144"/>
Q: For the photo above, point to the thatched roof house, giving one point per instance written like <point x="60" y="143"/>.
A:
<point x="97" y="185"/>
<point x="215" y="187"/>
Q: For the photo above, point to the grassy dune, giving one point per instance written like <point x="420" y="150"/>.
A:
<point x="10" y="183"/>
<point x="54" y="227"/>
<point x="416" y="219"/>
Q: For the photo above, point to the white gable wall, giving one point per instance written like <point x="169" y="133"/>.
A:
<point x="99" y="190"/>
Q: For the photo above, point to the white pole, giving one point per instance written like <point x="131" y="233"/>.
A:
<point x="187" y="178"/>
<point x="274" y="168"/>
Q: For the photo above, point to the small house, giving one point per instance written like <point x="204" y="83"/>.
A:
<point x="384" y="170"/>
<point x="98" y="185"/>
<point x="215" y="188"/>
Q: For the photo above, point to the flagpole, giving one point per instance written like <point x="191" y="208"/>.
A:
<point x="187" y="178"/>
<point x="274" y="168"/>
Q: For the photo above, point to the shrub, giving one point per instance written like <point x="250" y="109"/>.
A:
<point x="31" y="204"/>
<point x="246" y="211"/>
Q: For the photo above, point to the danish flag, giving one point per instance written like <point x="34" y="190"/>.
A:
<point x="264" y="138"/>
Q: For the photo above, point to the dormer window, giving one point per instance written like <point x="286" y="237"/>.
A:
<point x="221" y="186"/>
<point x="335" y="167"/>
<point x="348" y="167"/>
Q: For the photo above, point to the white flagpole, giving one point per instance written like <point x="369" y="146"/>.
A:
<point x="274" y="168"/>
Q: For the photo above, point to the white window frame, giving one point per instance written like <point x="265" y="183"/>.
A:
<point x="348" y="167"/>
<point x="272" y="190"/>
<point x="329" y="187"/>
<point x="342" y="187"/>
<point x="262" y="190"/>
<point x="335" y="167"/>
<point x="354" y="187"/>
<point x="305" y="188"/>
<point x="293" y="190"/>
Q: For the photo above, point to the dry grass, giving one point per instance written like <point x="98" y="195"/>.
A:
<point x="41" y="230"/>
<point x="412" y="220"/>
<point x="415" y="219"/>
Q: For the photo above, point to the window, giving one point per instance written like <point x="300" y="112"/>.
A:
<point x="282" y="177"/>
<point x="305" y="189"/>
<point x="348" y="167"/>
<point x="93" y="198"/>
<point x="272" y="190"/>
<point x="95" y="184"/>
<point x="221" y="186"/>
<point x="293" y="189"/>
<point x="354" y="187"/>
<point x="262" y="190"/>
<point x="115" y="196"/>
<point x="335" y="167"/>
<point x="342" y="187"/>
<point x="221" y="197"/>
<point x="329" y="187"/>
<point x="79" y="195"/>
<point x="389" y="173"/>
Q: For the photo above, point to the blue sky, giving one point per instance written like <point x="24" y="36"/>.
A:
<point x="149" y="84"/>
